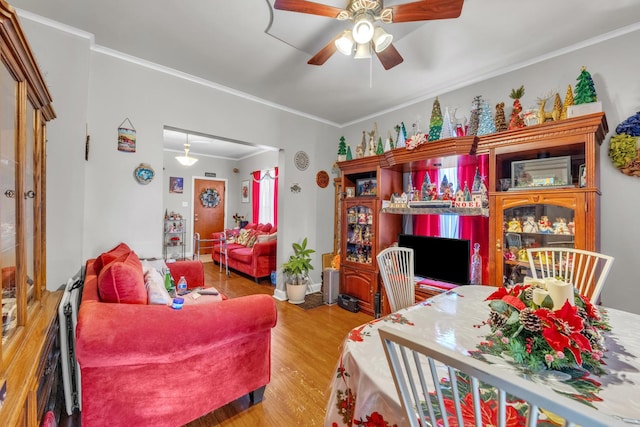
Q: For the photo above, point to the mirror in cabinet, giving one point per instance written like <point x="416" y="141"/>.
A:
<point x="540" y="220"/>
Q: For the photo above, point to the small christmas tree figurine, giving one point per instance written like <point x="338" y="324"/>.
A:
<point x="477" y="182"/>
<point x="435" y="125"/>
<point x="487" y="124"/>
<point x="568" y="101"/>
<point x="402" y="135"/>
<point x="499" y="120"/>
<point x="585" y="90"/>
<point x="474" y="121"/>
<point x="349" y="155"/>
<point x="380" y="147"/>
<point x="342" y="149"/>
<point x="516" y="121"/>
<point x="557" y="107"/>
<point x="448" y="131"/>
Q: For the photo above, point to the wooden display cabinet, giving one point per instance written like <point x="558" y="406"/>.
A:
<point x="29" y="356"/>
<point x="364" y="231"/>
<point x="558" y="218"/>
<point x="574" y="198"/>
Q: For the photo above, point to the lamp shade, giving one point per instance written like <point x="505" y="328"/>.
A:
<point x="381" y="39"/>
<point x="345" y="43"/>
<point x="363" y="28"/>
<point x="186" y="160"/>
<point x="363" y="51"/>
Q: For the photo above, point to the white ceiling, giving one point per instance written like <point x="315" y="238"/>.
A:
<point x="252" y="49"/>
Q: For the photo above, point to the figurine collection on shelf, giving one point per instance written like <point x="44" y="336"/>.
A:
<point x="578" y="101"/>
<point x="430" y="195"/>
<point x="359" y="234"/>
<point x="543" y="225"/>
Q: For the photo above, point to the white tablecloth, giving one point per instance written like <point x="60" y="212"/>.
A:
<point x="362" y="391"/>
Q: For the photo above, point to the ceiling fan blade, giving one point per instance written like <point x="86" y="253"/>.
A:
<point x="309" y="7"/>
<point x="426" y="10"/>
<point x="325" y="53"/>
<point x="390" y="57"/>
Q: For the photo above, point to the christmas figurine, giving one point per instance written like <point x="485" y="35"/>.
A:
<point x="435" y="125"/>
<point x="585" y="90"/>
<point x="342" y="150"/>
<point x="568" y="101"/>
<point x="516" y="121"/>
<point x="500" y="121"/>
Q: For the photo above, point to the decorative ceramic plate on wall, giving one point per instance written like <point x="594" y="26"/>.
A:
<point x="301" y="160"/>
<point x="322" y="179"/>
<point x="144" y="174"/>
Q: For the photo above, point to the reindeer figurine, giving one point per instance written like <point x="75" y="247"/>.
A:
<point x="543" y="116"/>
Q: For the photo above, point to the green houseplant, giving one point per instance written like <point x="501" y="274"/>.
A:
<point x="296" y="271"/>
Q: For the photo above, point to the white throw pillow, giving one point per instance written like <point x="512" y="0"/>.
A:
<point x="156" y="292"/>
<point x="267" y="237"/>
<point x="148" y="264"/>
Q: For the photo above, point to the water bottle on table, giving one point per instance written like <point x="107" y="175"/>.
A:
<point x="182" y="286"/>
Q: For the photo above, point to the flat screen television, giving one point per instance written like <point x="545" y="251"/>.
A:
<point x="439" y="258"/>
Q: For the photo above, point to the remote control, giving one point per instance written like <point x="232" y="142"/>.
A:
<point x="208" y="292"/>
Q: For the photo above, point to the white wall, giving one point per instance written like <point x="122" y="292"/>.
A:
<point x="85" y="218"/>
<point x="614" y="72"/>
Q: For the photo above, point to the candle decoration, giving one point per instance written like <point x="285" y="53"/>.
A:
<point x="546" y="328"/>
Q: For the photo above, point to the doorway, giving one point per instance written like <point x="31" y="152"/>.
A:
<point x="209" y="208"/>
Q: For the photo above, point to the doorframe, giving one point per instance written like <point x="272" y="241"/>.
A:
<point x="193" y="197"/>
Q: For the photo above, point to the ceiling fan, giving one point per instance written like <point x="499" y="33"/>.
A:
<point x="365" y="36"/>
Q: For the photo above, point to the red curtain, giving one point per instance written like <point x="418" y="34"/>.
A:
<point x="275" y="198"/>
<point x="475" y="228"/>
<point x="255" y="197"/>
<point x="425" y="225"/>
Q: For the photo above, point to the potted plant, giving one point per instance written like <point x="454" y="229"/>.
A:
<point x="296" y="272"/>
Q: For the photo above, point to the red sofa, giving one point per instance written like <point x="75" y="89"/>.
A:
<point x="257" y="259"/>
<point x="151" y="365"/>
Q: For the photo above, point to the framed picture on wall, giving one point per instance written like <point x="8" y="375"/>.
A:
<point x="244" y="189"/>
<point x="176" y="184"/>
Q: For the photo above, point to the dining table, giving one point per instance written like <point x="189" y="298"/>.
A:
<point x="362" y="390"/>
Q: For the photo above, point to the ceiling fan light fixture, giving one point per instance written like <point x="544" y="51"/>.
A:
<point x="345" y="43"/>
<point x="363" y="51"/>
<point x="381" y="39"/>
<point x="363" y="28"/>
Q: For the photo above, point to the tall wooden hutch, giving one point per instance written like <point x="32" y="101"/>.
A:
<point x="551" y="170"/>
<point x="28" y="353"/>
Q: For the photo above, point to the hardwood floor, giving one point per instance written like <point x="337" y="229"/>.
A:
<point x="305" y="346"/>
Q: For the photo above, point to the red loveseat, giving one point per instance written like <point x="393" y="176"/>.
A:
<point x="151" y="365"/>
<point x="256" y="259"/>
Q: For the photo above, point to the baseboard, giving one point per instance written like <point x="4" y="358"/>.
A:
<point x="281" y="295"/>
<point x="314" y="287"/>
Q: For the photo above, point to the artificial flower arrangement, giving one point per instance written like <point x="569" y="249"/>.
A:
<point x="526" y="327"/>
<point x="237" y="218"/>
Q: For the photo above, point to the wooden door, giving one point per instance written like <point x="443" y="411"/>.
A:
<point x="208" y="209"/>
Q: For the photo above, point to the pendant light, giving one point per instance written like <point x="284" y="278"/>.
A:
<point x="186" y="160"/>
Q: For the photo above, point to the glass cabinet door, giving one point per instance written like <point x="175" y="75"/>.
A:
<point x="549" y="222"/>
<point x="360" y="234"/>
<point x="8" y="202"/>
<point x="29" y="194"/>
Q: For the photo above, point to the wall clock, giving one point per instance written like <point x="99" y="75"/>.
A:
<point x="322" y="179"/>
<point x="301" y="160"/>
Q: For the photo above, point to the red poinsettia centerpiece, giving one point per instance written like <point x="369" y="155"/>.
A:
<point x="537" y="337"/>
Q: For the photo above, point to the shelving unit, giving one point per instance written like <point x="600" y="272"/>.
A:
<point x="576" y="202"/>
<point x="174" y="238"/>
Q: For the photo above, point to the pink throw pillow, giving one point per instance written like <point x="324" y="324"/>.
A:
<point x="251" y="226"/>
<point x="122" y="281"/>
<point x="273" y="230"/>
<point x="109" y="256"/>
<point x="266" y="228"/>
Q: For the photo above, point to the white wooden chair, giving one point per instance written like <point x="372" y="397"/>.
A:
<point x="586" y="270"/>
<point x="423" y="396"/>
<point x="396" y="270"/>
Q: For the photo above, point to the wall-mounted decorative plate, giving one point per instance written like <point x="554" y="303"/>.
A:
<point x="322" y="179"/>
<point x="144" y="174"/>
<point x="301" y="160"/>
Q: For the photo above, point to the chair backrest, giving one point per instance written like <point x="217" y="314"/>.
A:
<point x="450" y="391"/>
<point x="396" y="270"/>
<point x="586" y="270"/>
